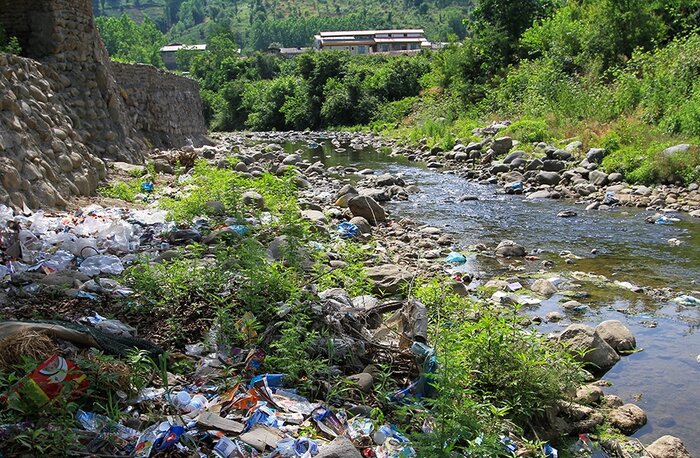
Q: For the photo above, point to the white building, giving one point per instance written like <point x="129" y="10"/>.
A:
<point x="169" y="52"/>
<point x="373" y="41"/>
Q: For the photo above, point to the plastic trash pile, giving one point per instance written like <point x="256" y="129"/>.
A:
<point x="260" y="418"/>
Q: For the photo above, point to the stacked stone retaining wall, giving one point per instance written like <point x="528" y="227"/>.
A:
<point x="66" y="83"/>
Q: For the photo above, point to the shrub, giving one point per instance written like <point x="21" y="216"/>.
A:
<point x="529" y="130"/>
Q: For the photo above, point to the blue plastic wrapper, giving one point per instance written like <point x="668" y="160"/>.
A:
<point x="455" y="258"/>
<point x="170" y="438"/>
<point x="239" y="229"/>
<point x="549" y="451"/>
<point x="147" y="186"/>
<point x="273" y="380"/>
<point x="348" y="230"/>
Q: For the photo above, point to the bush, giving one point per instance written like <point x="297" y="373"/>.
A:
<point x="529" y="130"/>
<point x="9" y="45"/>
<point x="490" y="370"/>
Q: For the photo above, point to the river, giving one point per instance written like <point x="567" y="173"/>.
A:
<point x="661" y="377"/>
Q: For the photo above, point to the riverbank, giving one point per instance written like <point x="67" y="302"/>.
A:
<point x="282" y="270"/>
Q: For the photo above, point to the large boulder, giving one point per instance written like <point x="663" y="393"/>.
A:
<point x="588" y="347"/>
<point x="340" y="447"/>
<point x="388" y="278"/>
<point x="668" y="447"/>
<point x="510" y="249"/>
<point x="673" y="150"/>
<point x="544" y="287"/>
<point x="550" y="178"/>
<point x="502" y="145"/>
<point x="367" y="208"/>
<point x="595" y="155"/>
<point x="598" y="178"/>
<point x="627" y="418"/>
<point x="617" y="335"/>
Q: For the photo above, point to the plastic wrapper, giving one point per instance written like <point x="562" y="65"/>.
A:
<point x="114" y="327"/>
<point x="348" y="230"/>
<point x="96" y="265"/>
<point x="54" y="377"/>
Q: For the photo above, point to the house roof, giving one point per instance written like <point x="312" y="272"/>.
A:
<point x="174" y="47"/>
<point x="353" y="33"/>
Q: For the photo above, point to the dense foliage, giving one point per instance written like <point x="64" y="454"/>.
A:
<point x="128" y="41"/>
<point x="255" y="24"/>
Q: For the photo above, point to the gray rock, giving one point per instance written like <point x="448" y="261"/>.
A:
<point x="340" y="447"/>
<point x="668" y="447"/>
<point x="598" y="178"/>
<point x="544" y="287"/>
<point x="253" y="199"/>
<point x="363" y="380"/>
<point x="615" y="177"/>
<point x="673" y="150"/>
<point x="550" y="178"/>
<point x="362" y="224"/>
<point x="314" y="216"/>
<point x="510" y="249"/>
<point x="535" y="164"/>
<point x="502" y="145"/>
<point x="627" y="418"/>
<point x="163" y="166"/>
<point x="513" y="156"/>
<point x="617" y="335"/>
<point x="291" y="159"/>
<point x="583" y="338"/>
<point x="561" y="155"/>
<point x="539" y="194"/>
<point x="388" y="278"/>
<point x="596" y="155"/>
<point x="551" y="165"/>
<point x="499" y="168"/>
<point x="589" y="395"/>
<point x="574" y="147"/>
<point x="367" y="208"/>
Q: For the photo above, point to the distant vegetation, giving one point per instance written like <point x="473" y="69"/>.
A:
<point x="621" y="74"/>
<point x="254" y="24"/>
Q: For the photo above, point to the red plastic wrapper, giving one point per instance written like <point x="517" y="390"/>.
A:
<point x="54" y="377"/>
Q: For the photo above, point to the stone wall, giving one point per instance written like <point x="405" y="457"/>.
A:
<point x="68" y="83"/>
<point x="164" y="108"/>
<point x="43" y="159"/>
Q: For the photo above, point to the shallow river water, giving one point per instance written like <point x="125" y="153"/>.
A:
<point x="662" y="378"/>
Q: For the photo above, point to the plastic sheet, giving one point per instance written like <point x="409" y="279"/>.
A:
<point x="107" y="264"/>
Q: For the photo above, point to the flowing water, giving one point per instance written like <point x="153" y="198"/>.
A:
<point x="661" y="378"/>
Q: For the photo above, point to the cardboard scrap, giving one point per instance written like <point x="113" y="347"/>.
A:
<point x="261" y="436"/>
<point x="214" y="421"/>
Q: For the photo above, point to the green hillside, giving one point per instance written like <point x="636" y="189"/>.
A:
<point x="256" y="23"/>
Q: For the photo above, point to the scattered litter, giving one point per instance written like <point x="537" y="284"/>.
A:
<point x="688" y="301"/>
<point x="455" y="258"/>
<point x="95" y="265"/>
<point x="348" y="230"/>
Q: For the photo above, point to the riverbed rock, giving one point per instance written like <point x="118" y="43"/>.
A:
<point x="668" y="447"/>
<point x="510" y="249"/>
<point x="362" y="224"/>
<point x="502" y="145"/>
<point x="367" y="208"/>
<point x="388" y="278"/>
<point x="550" y="178"/>
<point x="253" y="199"/>
<point x="627" y="418"/>
<point x="544" y="287"/>
<point x="513" y="156"/>
<point x="595" y="155"/>
<point x="314" y="216"/>
<point x="583" y="338"/>
<point x="598" y="178"/>
<point x="340" y="447"/>
<point x="676" y="149"/>
<point x="617" y="335"/>
<point x="589" y="395"/>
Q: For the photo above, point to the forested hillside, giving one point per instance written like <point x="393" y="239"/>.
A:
<point x="619" y="74"/>
<point x="255" y="24"/>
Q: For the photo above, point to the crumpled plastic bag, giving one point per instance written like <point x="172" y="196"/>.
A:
<point x="107" y="264"/>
